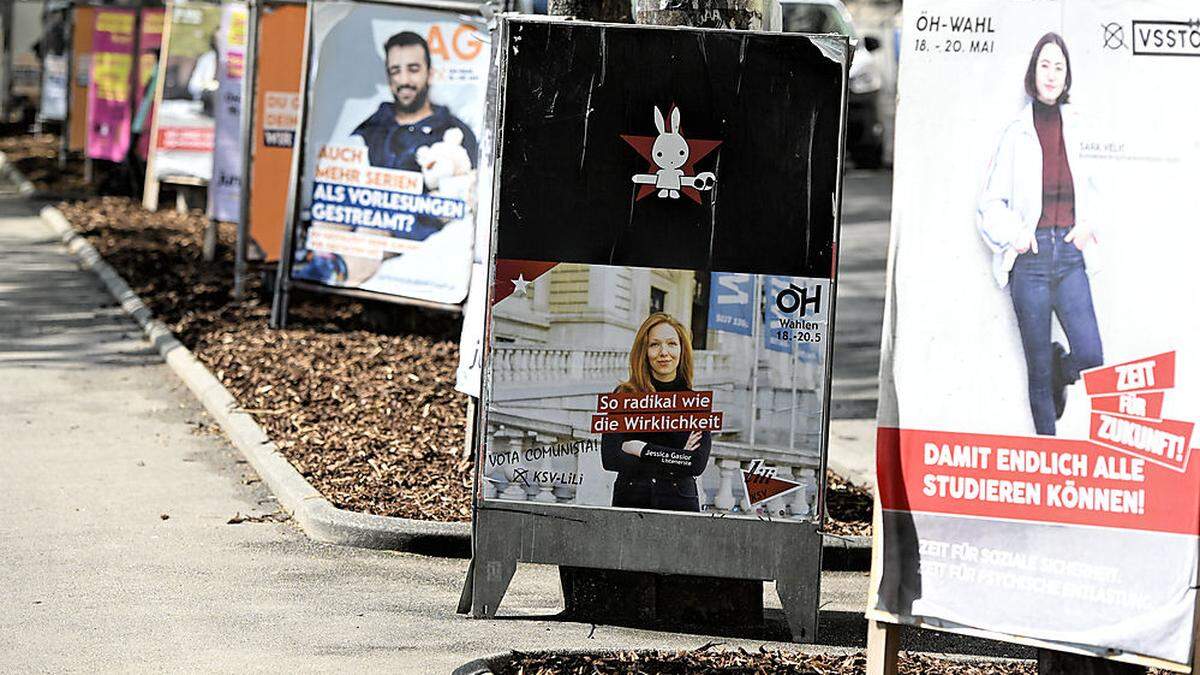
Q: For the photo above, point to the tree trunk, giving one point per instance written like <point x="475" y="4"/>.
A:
<point x="612" y="11"/>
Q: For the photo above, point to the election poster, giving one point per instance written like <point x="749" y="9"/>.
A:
<point x="110" y="85"/>
<point x="55" y="63"/>
<point x="54" y="88"/>
<point x="150" y="48"/>
<point x="224" y="193"/>
<point x="1040" y="381"/>
<point x="276" y="117"/>
<point x="655" y="354"/>
<point x="187" y="97"/>
<point x="23" y="36"/>
<point x="82" y="27"/>
<point x="387" y="181"/>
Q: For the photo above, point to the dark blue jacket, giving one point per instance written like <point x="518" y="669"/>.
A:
<point x="392" y="146"/>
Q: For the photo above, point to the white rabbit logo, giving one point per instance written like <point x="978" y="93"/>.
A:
<point x="669" y="152"/>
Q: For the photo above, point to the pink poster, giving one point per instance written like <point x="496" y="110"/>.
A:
<point x="109" y="89"/>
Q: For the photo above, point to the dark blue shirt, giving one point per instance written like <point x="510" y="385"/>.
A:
<point x="391" y="145"/>
<point x="394" y="146"/>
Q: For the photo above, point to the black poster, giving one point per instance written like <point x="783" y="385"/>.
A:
<point x="667" y="147"/>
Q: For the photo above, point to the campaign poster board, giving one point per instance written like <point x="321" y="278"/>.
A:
<point x="55" y="64"/>
<point x="224" y="193"/>
<point x="110" y="84"/>
<point x="181" y="144"/>
<point x="25" y="66"/>
<point x="83" y="18"/>
<point x="276" y="119"/>
<point x="1038" y="392"/>
<point x="629" y="366"/>
<point x="387" y="176"/>
<point x="149" y="48"/>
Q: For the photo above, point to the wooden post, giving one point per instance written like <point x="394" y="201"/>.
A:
<point x="883" y="639"/>
<point x="883" y="648"/>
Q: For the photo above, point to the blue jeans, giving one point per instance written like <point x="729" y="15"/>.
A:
<point x="1053" y="280"/>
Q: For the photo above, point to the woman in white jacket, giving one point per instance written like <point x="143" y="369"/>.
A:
<point x="1035" y="215"/>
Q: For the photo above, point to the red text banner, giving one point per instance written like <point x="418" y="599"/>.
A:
<point x="1041" y="479"/>
<point x="187" y="139"/>
<point x="1146" y="406"/>
<point x="654" y="423"/>
<point x="667" y="401"/>
<point x="1148" y="374"/>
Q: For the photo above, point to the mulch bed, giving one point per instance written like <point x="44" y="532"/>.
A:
<point x="36" y="157"/>
<point x="742" y="662"/>
<point x="359" y="397"/>
<point x="848" y="507"/>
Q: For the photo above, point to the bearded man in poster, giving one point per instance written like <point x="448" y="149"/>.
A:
<point x="411" y="133"/>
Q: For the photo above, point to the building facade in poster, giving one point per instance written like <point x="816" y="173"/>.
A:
<point x="184" y="126"/>
<point x="388" y="178"/>
<point x="658" y="354"/>
<point x="1038" y="393"/>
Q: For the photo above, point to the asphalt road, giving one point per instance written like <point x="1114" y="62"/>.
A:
<point x="862" y="262"/>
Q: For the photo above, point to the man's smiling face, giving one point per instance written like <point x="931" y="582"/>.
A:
<point x="408" y="77"/>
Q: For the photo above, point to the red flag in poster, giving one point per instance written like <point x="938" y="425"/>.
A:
<point x="516" y="276"/>
<point x="762" y="484"/>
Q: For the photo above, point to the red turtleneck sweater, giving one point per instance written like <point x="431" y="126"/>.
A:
<point x="1058" y="188"/>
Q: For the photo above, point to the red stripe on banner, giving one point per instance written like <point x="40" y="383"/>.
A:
<point x="1148" y="374"/>
<point x="657" y="423"/>
<point x="186" y="139"/>
<point x="1147" y="406"/>
<point x="1041" y="479"/>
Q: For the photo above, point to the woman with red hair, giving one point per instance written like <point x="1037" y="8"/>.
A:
<point x="657" y="470"/>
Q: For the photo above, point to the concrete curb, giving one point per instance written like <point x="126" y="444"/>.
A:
<point x="320" y="519"/>
<point x="502" y="661"/>
<point x="10" y="172"/>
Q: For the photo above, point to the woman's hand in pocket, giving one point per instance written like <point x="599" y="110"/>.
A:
<point x="1080" y="235"/>
<point x="693" y="441"/>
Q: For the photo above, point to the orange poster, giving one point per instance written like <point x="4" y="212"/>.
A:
<point x="276" y="112"/>
<point x="83" y="21"/>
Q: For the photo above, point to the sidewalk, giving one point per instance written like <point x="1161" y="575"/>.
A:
<point x="116" y="496"/>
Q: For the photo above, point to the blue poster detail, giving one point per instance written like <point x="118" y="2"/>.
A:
<point x="794" y="315"/>
<point x="729" y="307"/>
<point x="401" y="214"/>
<point x="774" y="336"/>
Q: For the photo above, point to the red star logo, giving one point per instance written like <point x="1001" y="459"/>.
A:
<point x="697" y="150"/>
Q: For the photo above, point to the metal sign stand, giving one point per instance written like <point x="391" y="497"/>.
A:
<point x="505" y="532"/>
